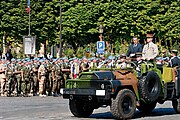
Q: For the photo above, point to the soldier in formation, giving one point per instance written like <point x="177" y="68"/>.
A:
<point x="45" y="77"/>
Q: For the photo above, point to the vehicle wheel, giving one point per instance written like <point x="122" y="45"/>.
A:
<point x="146" y="107"/>
<point x="124" y="106"/>
<point x="150" y="87"/>
<point x="176" y="105"/>
<point x="80" y="108"/>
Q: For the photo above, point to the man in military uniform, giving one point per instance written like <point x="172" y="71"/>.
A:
<point x="35" y="77"/>
<point x="2" y="78"/>
<point x="48" y="67"/>
<point x="49" y="80"/>
<point x="150" y="50"/>
<point x="26" y="79"/>
<point x="65" y="67"/>
<point x="85" y="65"/>
<point x="56" y="76"/>
<point x="18" y="78"/>
<point x="138" y="63"/>
<point x="110" y="63"/>
<point x="42" y="77"/>
<point x="10" y="77"/>
<point x="175" y="60"/>
<point x="123" y="64"/>
<point x="175" y="63"/>
<point x="118" y="63"/>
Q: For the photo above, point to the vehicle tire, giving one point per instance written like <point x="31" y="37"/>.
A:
<point x="146" y="107"/>
<point x="176" y="105"/>
<point x="124" y="106"/>
<point x="150" y="87"/>
<point x="80" y="108"/>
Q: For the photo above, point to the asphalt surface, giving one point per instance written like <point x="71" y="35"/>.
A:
<point x="56" y="108"/>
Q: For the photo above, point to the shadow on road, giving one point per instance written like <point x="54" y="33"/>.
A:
<point x="155" y="113"/>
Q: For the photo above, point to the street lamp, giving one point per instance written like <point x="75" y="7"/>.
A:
<point x="60" y="36"/>
<point x="101" y="29"/>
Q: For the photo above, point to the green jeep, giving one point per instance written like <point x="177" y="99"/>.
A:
<point x="123" y="90"/>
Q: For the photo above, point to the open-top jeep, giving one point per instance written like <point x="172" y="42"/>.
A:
<point x="123" y="90"/>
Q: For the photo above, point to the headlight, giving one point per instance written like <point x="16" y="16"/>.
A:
<point x="102" y="86"/>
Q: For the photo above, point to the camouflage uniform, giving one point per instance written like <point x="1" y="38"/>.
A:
<point x="42" y="77"/>
<point x="10" y="76"/>
<point x="18" y="79"/>
<point x="2" y="79"/>
<point x="26" y="79"/>
<point x="65" y="67"/>
<point x="85" y="67"/>
<point x="56" y="78"/>
<point x="49" y="80"/>
<point x="35" y="78"/>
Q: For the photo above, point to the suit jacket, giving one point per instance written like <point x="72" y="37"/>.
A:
<point x="134" y="49"/>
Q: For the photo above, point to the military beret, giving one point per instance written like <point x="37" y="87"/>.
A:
<point x="90" y="59"/>
<point x="65" y="58"/>
<point x="54" y="60"/>
<point x="70" y="59"/>
<point x="41" y="60"/>
<point x="27" y="59"/>
<point x="13" y="59"/>
<point x="159" y="58"/>
<point x="84" y="57"/>
<point x="18" y="60"/>
<point x="111" y="57"/>
<point x="166" y="58"/>
<point x="149" y="35"/>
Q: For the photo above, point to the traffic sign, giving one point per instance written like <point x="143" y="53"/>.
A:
<point x="100" y="47"/>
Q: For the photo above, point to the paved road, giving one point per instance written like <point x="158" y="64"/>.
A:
<point x="56" y="108"/>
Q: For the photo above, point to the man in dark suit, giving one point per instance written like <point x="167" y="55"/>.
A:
<point x="134" y="48"/>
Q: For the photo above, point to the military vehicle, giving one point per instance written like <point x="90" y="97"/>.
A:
<point x="123" y="90"/>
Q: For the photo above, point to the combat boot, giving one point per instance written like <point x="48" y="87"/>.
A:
<point x="55" y="94"/>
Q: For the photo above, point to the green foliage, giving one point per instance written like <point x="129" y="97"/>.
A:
<point x="69" y="53"/>
<point x="122" y="19"/>
<point x="80" y="52"/>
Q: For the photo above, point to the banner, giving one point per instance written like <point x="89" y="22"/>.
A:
<point x="29" y="43"/>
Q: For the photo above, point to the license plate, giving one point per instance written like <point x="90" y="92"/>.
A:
<point x="100" y="92"/>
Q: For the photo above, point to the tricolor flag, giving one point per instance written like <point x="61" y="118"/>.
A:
<point x="28" y="7"/>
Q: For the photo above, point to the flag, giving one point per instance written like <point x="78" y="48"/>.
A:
<point x="28" y="7"/>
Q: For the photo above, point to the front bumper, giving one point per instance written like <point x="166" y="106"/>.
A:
<point x="86" y="93"/>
